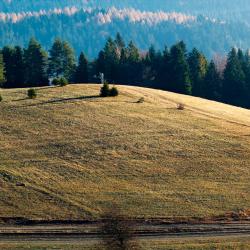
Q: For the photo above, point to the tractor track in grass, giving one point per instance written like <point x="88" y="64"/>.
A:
<point x="90" y="231"/>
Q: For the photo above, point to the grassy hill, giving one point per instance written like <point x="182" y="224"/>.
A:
<point x="77" y="154"/>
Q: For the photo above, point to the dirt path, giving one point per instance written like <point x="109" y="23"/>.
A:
<point x="89" y="232"/>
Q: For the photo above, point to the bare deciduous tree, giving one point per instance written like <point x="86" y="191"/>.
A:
<point x="117" y="231"/>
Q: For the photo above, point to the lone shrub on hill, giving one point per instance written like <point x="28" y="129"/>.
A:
<point x="56" y="82"/>
<point x="113" y="91"/>
<point x="60" y="81"/>
<point x="180" y="106"/>
<point x="63" y="82"/>
<point x="32" y="93"/>
<point x="141" y="100"/>
<point x="106" y="91"/>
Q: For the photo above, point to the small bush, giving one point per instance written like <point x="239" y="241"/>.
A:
<point x="105" y="90"/>
<point x="141" y="100"/>
<point x="32" y="93"/>
<point x="56" y="81"/>
<point x="63" y="81"/>
<point x="60" y="81"/>
<point x="180" y="106"/>
<point x="1" y="98"/>
<point x="113" y="91"/>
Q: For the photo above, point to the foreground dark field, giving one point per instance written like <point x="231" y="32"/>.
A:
<point x="209" y="243"/>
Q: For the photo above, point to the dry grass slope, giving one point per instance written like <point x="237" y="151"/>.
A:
<point x="77" y="153"/>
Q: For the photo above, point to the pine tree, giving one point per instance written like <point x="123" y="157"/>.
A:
<point x="7" y="53"/>
<point x="69" y="61"/>
<point x="19" y="67"/>
<point x="105" y="91"/>
<point x="212" y="83"/>
<point x="61" y="60"/>
<point x="241" y="58"/>
<point x="100" y="63"/>
<point x="2" y="71"/>
<point x="198" y="67"/>
<point x="247" y="74"/>
<point x="129" y="65"/>
<point x="55" y="60"/>
<point x="133" y="54"/>
<point x="123" y="67"/>
<point x="133" y="69"/>
<point x="119" y="42"/>
<point x="179" y="79"/>
<point x="164" y="70"/>
<point x="234" y="86"/>
<point x="36" y="64"/>
<point x="152" y="64"/>
<point x="14" y="65"/>
<point x="111" y="57"/>
<point x="81" y="75"/>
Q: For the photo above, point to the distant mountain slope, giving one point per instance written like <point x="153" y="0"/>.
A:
<point x="212" y="26"/>
<point x="88" y="31"/>
<point x="191" y="6"/>
<point x="69" y="154"/>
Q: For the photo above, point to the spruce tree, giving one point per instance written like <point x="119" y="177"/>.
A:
<point x="212" y="83"/>
<point x="69" y="61"/>
<point x="180" y="78"/>
<point x="15" y="68"/>
<point x="81" y="75"/>
<point x="164" y="70"/>
<point x="7" y="53"/>
<point x="234" y="86"/>
<point x="242" y="59"/>
<point x="105" y="91"/>
<point x="247" y="74"/>
<point x="123" y="67"/>
<point x="152" y="63"/>
<point x="100" y="63"/>
<point x="19" y="67"/>
<point x="36" y="63"/>
<point x="119" y="42"/>
<point x="133" y="68"/>
<point x="61" y="60"/>
<point x="198" y="67"/>
<point x="111" y="57"/>
<point x="55" y="59"/>
<point x="2" y="71"/>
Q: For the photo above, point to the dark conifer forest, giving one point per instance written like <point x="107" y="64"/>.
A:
<point x="175" y="69"/>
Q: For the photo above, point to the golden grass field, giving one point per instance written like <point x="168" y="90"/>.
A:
<point x="78" y="154"/>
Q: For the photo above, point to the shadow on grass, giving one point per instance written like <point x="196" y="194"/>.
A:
<point x="62" y="100"/>
<point x="21" y="99"/>
<point x="39" y="89"/>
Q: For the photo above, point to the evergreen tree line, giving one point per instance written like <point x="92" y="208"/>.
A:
<point x="173" y="69"/>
